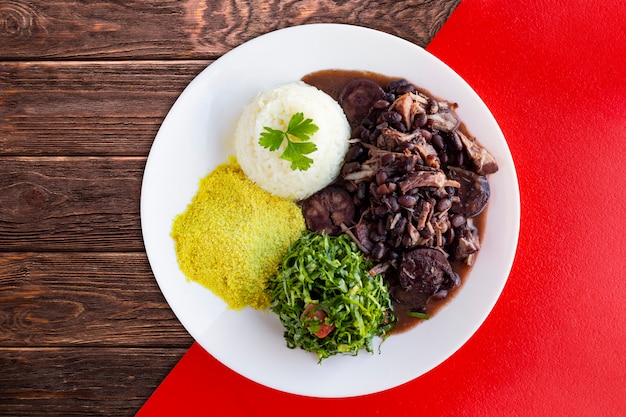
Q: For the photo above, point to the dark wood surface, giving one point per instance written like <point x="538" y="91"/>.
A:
<point x="84" y="86"/>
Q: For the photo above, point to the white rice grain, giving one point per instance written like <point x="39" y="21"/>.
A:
<point x="274" y="108"/>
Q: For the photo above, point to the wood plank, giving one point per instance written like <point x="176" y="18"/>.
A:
<point x="104" y="299"/>
<point x="84" y="329"/>
<point x="196" y="29"/>
<point x="81" y="381"/>
<point x="87" y="108"/>
<point x="70" y="204"/>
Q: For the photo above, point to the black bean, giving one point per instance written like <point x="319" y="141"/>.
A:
<point x="437" y="142"/>
<point x="400" y="127"/>
<point x="393" y="86"/>
<point x="459" y="159"/>
<point x="407" y="242"/>
<point x="455" y="142"/>
<point x="362" y="191"/>
<point x="426" y="134"/>
<point x="392" y="202"/>
<point x="395" y="241"/>
<point x="406" y="88"/>
<point x="367" y="123"/>
<point x="393" y="255"/>
<point x="425" y="233"/>
<point x="444" y="204"/>
<point x="380" y="211"/>
<point x="350" y="167"/>
<point x="381" y="126"/>
<point x="400" y="225"/>
<point x="456" y="280"/>
<point x="390" y="97"/>
<point x="407" y="201"/>
<point x="381" y="177"/>
<point x="377" y="237"/>
<point x="381" y="104"/>
<point x="392" y="116"/>
<point x="355" y="153"/>
<point x="372" y="190"/>
<point x="379" y="250"/>
<point x="439" y="295"/>
<point x="420" y="120"/>
<point x="457" y="220"/>
<point x="440" y="193"/>
<point x="381" y="228"/>
<point x="450" y="235"/>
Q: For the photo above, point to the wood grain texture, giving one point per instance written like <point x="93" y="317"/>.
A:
<point x="70" y="204"/>
<point x="84" y="87"/>
<point x="197" y="29"/>
<point x="95" y="299"/>
<point x="72" y="381"/>
<point x="106" y="108"/>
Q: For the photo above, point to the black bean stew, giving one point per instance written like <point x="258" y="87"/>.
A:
<point x="412" y="191"/>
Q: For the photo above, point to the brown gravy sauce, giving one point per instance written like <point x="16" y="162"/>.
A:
<point x="332" y="82"/>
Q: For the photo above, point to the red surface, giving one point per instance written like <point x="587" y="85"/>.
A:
<point x="553" y="73"/>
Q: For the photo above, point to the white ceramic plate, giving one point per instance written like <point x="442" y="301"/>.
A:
<point x="194" y="139"/>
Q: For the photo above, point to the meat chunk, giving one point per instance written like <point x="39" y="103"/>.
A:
<point x="474" y="192"/>
<point x="391" y="138"/>
<point x="409" y="105"/>
<point x="418" y="179"/>
<point x="467" y="244"/>
<point x="483" y="160"/>
<point x="358" y="97"/>
<point x="424" y="274"/>
<point x="326" y="210"/>
<point x="426" y="270"/>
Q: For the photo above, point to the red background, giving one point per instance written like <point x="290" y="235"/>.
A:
<point x="553" y="74"/>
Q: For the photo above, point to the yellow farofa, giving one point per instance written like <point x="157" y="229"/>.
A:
<point x="233" y="236"/>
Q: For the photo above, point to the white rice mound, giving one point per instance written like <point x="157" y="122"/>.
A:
<point x="274" y="108"/>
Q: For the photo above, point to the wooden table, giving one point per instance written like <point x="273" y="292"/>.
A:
<point x="84" y="87"/>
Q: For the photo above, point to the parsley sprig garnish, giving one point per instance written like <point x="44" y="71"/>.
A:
<point x="298" y="134"/>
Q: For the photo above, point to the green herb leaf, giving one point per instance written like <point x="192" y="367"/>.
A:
<point x="298" y="134"/>
<point x="295" y="152"/>
<point x="418" y="315"/>
<point x="301" y="128"/>
<point x="271" y="138"/>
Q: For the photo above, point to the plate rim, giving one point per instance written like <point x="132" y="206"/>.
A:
<point x="224" y="61"/>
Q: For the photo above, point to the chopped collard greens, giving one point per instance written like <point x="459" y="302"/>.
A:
<point x="326" y="298"/>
